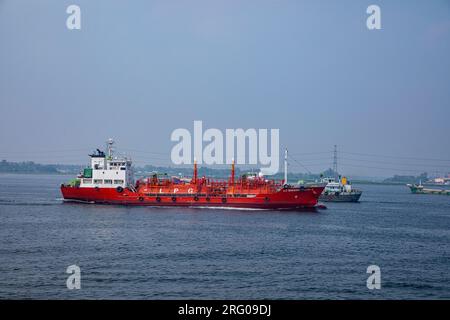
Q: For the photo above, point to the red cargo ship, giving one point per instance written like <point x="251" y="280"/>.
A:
<point x="109" y="180"/>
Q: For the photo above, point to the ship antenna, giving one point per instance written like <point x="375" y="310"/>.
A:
<point x="285" y="166"/>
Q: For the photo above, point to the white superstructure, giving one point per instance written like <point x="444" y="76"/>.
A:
<point x="107" y="171"/>
<point x="333" y="186"/>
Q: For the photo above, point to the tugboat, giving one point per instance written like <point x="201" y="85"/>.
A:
<point x="341" y="191"/>
<point x="110" y="180"/>
<point x="419" y="189"/>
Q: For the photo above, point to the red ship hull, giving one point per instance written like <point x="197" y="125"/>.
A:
<point x="285" y="198"/>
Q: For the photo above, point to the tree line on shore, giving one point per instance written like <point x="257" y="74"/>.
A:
<point x="32" y="167"/>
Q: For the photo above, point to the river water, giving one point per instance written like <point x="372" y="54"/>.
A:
<point x="168" y="253"/>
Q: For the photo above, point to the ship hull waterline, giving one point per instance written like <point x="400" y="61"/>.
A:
<point x="351" y="197"/>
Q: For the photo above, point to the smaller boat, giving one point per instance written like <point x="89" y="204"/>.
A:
<point x="339" y="191"/>
<point x="420" y="189"/>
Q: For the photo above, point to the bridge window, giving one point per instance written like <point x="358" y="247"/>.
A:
<point x="118" y="181"/>
<point x="107" y="181"/>
<point x="98" y="181"/>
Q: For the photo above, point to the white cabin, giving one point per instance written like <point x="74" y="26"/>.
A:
<point x="333" y="186"/>
<point x="107" y="171"/>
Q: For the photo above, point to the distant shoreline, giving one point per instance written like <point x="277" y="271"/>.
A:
<point x="38" y="173"/>
<point x="30" y="167"/>
<point x="356" y="182"/>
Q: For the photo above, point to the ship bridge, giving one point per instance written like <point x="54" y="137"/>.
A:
<point x="107" y="171"/>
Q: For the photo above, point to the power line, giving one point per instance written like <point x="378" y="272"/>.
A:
<point x="311" y="153"/>
<point x="143" y="151"/>
<point x="346" y="164"/>
<point x="401" y="164"/>
<point x="394" y="157"/>
<point x="298" y="162"/>
<point x="330" y="152"/>
<point x="382" y="168"/>
<point x="311" y="165"/>
<point x="368" y="167"/>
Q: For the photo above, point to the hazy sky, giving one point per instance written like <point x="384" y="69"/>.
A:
<point x="137" y="70"/>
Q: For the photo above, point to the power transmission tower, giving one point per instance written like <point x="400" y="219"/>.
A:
<point x="335" y="168"/>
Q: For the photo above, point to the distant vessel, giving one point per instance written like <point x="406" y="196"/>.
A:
<point x="420" y="189"/>
<point x="341" y="191"/>
<point x="110" y="180"/>
<point x="439" y="181"/>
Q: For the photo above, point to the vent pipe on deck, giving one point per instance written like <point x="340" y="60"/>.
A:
<point x="285" y="166"/>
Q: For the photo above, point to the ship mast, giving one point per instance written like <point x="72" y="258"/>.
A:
<point x="232" y="176"/>
<point x="195" y="170"/>
<point x="109" y="143"/>
<point x="285" y="166"/>
<point x="232" y="172"/>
